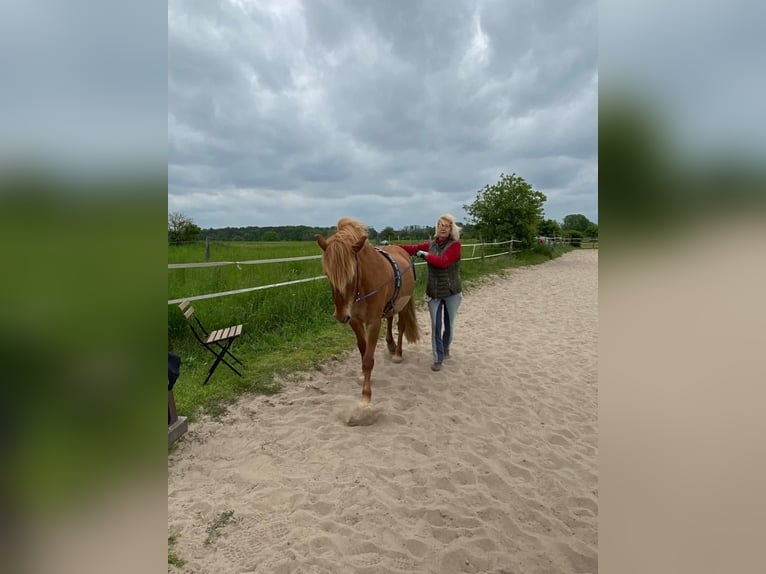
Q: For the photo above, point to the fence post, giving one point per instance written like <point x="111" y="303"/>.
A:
<point x="510" y="249"/>
<point x="207" y="249"/>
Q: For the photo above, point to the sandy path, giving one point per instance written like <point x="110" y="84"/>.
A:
<point x="487" y="466"/>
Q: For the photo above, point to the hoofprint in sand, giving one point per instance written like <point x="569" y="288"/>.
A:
<point x="489" y="465"/>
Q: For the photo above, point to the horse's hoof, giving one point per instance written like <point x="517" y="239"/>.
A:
<point x="397" y="358"/>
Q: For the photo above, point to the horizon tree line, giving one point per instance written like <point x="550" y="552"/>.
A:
<point x="510" y="208"/>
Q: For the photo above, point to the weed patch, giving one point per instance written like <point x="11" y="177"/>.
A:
<point x="173" y="558"/>
<point x="213" y="531"/>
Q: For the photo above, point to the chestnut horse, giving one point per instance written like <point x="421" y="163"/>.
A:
<point x="370" y="283"/>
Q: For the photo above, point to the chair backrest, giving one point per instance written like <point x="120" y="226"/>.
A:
<point x="188" y="310"/>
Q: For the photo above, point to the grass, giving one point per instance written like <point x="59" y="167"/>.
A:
<point x="214" y="530"/>
<point x="240" y="250"/>
<point x="286" y="329"/>
<point x="173" y="558"/>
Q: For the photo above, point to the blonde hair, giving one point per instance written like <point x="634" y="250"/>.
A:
<point x="454" y="232"/>
<point x="338" y="257"/>
<point x="351" y="229"/>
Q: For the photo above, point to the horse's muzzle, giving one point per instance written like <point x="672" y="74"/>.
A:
<point x="345" y="319"/>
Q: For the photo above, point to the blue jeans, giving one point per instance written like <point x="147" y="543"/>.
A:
<point x="443" y="313"/>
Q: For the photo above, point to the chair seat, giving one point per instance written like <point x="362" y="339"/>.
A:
<point x="218" y="342"/>
<point x="223" y="334"/>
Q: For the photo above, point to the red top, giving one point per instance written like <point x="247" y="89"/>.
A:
<point x="450" y="256"/>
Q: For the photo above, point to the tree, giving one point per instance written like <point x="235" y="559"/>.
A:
<point x="414" y="232"/>
<point x="635" y="174"/>
<point x="549" y="228"/>
<point x="574" y="236"/>
<point x="182" y="228"/>
<point x="467" y="231"/>
<point x="509" y="208"/>
<point x="387" y="233"/>
<point x="576" y="221"/>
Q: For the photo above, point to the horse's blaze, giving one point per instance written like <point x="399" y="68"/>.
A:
<point x="342" y="308"/>
<point x="342" y="314"/>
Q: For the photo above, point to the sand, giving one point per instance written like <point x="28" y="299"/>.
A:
<point x="489" y="465"/>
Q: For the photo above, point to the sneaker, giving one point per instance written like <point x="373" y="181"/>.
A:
<point x="436" y="367"/>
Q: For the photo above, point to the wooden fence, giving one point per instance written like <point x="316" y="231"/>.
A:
<point x="481" y="248"/>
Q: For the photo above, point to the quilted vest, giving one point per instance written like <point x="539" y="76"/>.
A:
<point x="443" y="282"/>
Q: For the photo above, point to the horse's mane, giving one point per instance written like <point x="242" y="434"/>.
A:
<point x="350" y="229"/>
<point x="338" y="262"/>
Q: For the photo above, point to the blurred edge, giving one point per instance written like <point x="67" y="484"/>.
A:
<point x="650" y="191"/>
<point x="82" y="330"/>
<point x="682" y="323"/>
<point x="83" y="202"/>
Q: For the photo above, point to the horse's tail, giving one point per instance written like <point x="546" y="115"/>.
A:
<point x="408" y="322"/>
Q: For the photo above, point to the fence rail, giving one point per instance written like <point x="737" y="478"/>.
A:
<point x="508" y="252"/>
<point x="251" y="262"/>
<point x="568" y="240"/>
<point x="245" y="290"/>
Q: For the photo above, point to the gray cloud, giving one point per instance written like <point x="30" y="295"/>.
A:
<point x="78" y="90"/>
<point x="394" y="112"/>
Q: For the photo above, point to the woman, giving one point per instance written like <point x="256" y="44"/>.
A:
<point x="443" y="290"/>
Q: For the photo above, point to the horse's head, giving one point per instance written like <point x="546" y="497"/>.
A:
<point x="339" y="263"/>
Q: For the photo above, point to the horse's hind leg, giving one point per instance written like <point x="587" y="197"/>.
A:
<point x="389" y="335"/>
<point x="399" y="348"/>
<point x="396" y="349"/>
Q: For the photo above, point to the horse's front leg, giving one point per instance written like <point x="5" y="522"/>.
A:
<point x="368" y="359"/>
<point x="390" y="334"/>
<point x="358" y="327"/>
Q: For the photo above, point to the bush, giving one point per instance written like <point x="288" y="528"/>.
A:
<point x="575" y="237"/>
<point x="542" y="248"/>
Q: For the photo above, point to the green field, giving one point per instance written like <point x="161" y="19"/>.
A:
<point x="286" y="328"/>
<point x="240" y="250"/>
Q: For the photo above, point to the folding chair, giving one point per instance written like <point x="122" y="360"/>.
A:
<point x="217" y="342"/>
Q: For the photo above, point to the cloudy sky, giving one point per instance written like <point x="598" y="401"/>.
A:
<point x="299" y="112"/>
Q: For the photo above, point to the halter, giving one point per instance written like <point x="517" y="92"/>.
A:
<point x="397" y="282"/>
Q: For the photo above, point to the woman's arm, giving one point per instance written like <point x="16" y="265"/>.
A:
<point x="413" y="249"/>
<point x="450" y="256"/>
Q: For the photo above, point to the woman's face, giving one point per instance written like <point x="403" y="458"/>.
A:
<point x="443" y="229"/>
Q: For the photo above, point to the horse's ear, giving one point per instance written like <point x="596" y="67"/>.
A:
<point x="321" y="241"/>
<point x="359" y="244"/>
